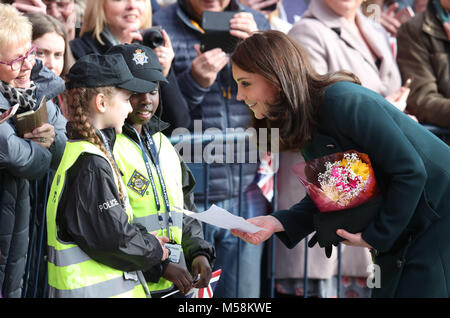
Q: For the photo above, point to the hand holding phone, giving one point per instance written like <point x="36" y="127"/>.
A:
<point x="9" y="113"/>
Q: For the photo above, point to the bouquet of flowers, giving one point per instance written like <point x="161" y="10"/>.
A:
<point x="344" y="184"/>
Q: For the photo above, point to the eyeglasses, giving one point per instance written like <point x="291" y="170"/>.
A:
<point x="17" y="63"/>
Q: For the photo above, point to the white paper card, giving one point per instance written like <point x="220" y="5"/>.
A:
<point x="222" y="218"/>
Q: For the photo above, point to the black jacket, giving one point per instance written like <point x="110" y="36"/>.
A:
<point x="176" y="110"/>
<point x="106" y="236"/>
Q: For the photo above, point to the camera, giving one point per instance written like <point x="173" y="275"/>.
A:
<point x="152" y="37"/>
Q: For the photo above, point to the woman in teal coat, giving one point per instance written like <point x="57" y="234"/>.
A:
<point x="325" y="114"/>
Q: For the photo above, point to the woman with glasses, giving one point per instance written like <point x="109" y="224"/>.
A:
<point x="23" y="81"/>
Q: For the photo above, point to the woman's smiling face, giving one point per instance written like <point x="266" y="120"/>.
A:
<point x="19" y="78"/>
<point x="257" y="92"/>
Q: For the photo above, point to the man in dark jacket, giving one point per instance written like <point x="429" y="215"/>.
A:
<point x="423" y="55"/>
<point x="207" y="84"/>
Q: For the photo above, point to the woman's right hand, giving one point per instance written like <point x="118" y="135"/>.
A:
<point x="268" y="222"/>
<point x="130" y="34"/>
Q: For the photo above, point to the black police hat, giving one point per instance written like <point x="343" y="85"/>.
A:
<point x="95" y="70"/>
<point x="141" y="60"/>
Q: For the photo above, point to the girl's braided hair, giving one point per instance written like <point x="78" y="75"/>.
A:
<point x="78" y="108"/>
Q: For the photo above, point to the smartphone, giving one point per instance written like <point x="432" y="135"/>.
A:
<point x="9" y="113"/>
<point x="272" y="7"/>
<point x="217" y="31"/>
<point x="404" y="14"/>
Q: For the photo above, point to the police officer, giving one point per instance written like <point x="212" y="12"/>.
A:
<point x="159" y="183"/>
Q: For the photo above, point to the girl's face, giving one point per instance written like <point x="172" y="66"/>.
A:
<point x="24" y="58"/>
<point x="124" y="14"/>
<point x="117" y="109"/>
<point x="50" y="49"/>
<point x="255" y="91"/>
<point x="144" y="107"/>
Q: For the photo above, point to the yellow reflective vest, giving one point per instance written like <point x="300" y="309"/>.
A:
<point x="71" y="272"/>
<point x="131" y="163"/>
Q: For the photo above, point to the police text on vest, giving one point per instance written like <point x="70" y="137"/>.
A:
<point x="108" y="205"/>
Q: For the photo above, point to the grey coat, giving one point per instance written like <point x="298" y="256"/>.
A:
<point x="22" y="160"/>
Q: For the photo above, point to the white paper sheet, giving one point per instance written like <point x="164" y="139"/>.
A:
<point x="222" y="218"/>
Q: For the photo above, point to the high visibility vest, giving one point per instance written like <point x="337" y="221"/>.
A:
<point x="71" y="272"/>
<point x="130" y="161"/>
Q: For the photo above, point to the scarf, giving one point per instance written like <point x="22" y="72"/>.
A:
<point x="443" y="15"/>
<point x="25" y="97"/>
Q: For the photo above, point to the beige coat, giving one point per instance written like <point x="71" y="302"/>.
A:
<point x="333" y="46"/>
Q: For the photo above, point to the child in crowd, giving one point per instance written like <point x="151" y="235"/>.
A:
<point x="93" y="248"/>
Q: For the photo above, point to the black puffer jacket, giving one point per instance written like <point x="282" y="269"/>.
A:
<point x="22" y="160"/>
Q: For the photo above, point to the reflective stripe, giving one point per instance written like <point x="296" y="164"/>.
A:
<point x="109" y="288"/>
<point x="70" y="256"/>
<point x="151" y="221"/>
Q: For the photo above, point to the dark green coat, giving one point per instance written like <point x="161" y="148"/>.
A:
<point x="412" y="168"/>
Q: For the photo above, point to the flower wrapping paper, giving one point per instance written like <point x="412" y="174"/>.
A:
<point x="308" y="172"/>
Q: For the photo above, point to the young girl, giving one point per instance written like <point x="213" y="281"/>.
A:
<point x="94" y="250"/>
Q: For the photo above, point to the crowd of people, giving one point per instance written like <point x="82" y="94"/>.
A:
<point x="103" y="179"/>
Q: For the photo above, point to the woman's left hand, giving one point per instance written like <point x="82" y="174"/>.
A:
<point x="243" y="25"/>
<point x="165" y="53"/>
<point x="43" y="135"/>
<point x="352" y="239"/>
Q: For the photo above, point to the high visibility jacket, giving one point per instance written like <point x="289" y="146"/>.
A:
<point x="71" y="272"/>
<point x="130" y="161"/>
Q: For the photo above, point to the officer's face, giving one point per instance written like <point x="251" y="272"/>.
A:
<point x="144" y="107"/>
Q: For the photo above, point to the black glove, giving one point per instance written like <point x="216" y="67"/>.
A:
<point x="353" y="220"/>
<point x="328" y="248"/>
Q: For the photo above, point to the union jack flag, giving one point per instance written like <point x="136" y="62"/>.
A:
<point x="264" y="176"/>
<point x="206" y="292"/>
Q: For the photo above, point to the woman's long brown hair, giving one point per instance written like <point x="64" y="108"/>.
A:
<point x="284" y="63"/>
